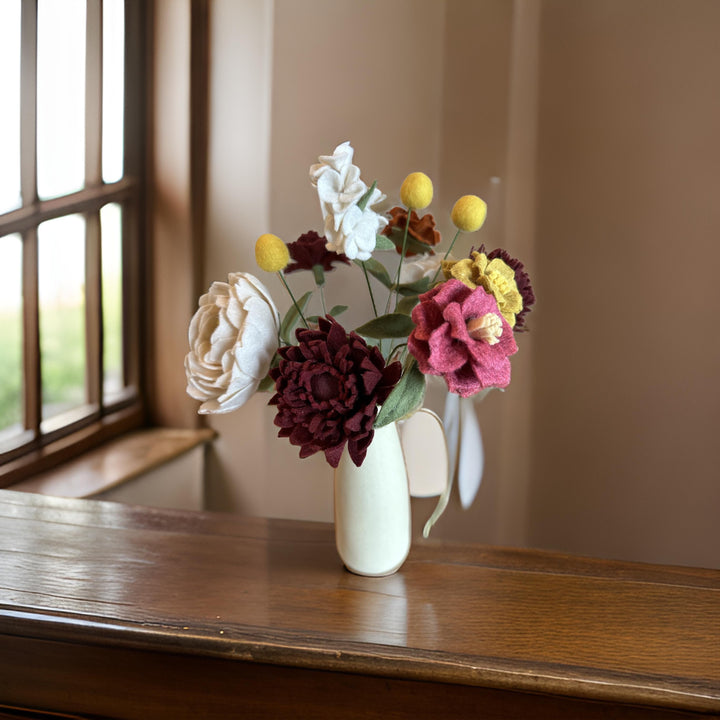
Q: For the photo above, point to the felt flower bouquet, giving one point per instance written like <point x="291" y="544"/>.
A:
<point x="432" y="314"/>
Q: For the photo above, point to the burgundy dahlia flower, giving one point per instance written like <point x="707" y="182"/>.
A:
<point x="309" y="250"/>
<point x="522" y="280"/>
<point x="328" y="388"/>
<point x="461" y="335"/>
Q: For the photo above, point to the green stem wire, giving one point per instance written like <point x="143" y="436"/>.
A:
<point x="369" y="287"/>
<point x="362" y="204"/>
<point x="399" y="267"/>
<point x="292" y="297"/>
<point x="445" y="257"/>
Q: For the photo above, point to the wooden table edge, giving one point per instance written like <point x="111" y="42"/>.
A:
<point x="292" y="650"/>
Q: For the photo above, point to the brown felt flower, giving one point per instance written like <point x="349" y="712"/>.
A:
<point x="309" y="250"/>
<point x="421" y="229"/>
<point x="328" y="388"/>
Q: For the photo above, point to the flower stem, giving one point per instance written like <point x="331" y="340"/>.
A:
<point x="322" y="298"/>
<point x="292" y="297"/>
<point x="399" y="267"/>
<point x="445" y="257"/>
<point x="372" y="297"/>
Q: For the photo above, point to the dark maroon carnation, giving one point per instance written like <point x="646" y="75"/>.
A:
<point x="328" y="388"/>
<point x="522" y="279"/>
<point x="309" y="250"/>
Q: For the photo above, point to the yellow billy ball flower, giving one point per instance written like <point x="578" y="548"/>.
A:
<point x="271" y="253"/>
<point x="469" y="213"/>
<point x="416" y="191"/>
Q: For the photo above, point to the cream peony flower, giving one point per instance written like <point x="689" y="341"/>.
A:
<point x="348" y="229"/>
<point x="233" y="337"/>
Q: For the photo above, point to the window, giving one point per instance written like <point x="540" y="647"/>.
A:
<point x="72" y="188"/>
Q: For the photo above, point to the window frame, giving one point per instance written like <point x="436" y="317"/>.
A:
<point x="38" y="448"/>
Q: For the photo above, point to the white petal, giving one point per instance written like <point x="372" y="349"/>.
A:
<point x="254" y="352"/>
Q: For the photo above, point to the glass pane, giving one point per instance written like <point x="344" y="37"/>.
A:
<point x="10" y="114"/>
<point x="60" y="97"/>
<point x="11" y="338"/>
<point x="61" y="260"/>
<point x="111" y="225"/>
<point x="113" y="89"/>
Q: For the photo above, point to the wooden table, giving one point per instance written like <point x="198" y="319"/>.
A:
<point x="110" y="611"/>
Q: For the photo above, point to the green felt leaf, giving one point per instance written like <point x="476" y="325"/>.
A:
<point x="267" y="384"/>
<point x="419" y="286"/>
<point x="411" y="245"/>
<point x="384" y="243"/>
<point x="406" y="304"/>
<point x="376" y="269"/>
<point x="292" y="318"/>
<point x="363" y="201"/>
<point x="405" y="398"/>
<point x="394" y="325"/>
<point x="334" y="311"/>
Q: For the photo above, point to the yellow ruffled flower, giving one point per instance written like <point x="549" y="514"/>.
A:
<point x="496" y="276"/>
<point x="271" y="253"/>
<point x="469" y="213"/>
<point x="416" y="191"/>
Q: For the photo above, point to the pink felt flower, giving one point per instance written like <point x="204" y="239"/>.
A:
<point x="461" y="335"/>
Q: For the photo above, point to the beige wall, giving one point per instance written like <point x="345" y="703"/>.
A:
<point x="588" y="126"/>
<point x="627" y="409"/>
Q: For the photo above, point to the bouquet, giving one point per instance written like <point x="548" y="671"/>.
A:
<point x="432" y="315"/>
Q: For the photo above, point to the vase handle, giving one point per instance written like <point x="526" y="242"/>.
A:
<point x="426" y="453"/>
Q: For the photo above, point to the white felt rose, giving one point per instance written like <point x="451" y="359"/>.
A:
<point x="233" y="337"/>
<point x="348" y="229"/>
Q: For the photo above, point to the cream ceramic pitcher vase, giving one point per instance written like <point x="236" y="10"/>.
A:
<point x="372" y="507"/>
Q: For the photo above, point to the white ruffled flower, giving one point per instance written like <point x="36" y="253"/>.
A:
<point x="357" y="234"/>
<point x="422" y="266"/>
<point x="348" y="229"/>
<point x="233" y="337"/>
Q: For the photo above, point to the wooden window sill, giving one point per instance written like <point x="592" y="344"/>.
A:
<point x="115" y="462"/>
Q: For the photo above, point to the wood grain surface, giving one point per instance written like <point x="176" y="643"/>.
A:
<point x="264" y="608"/>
